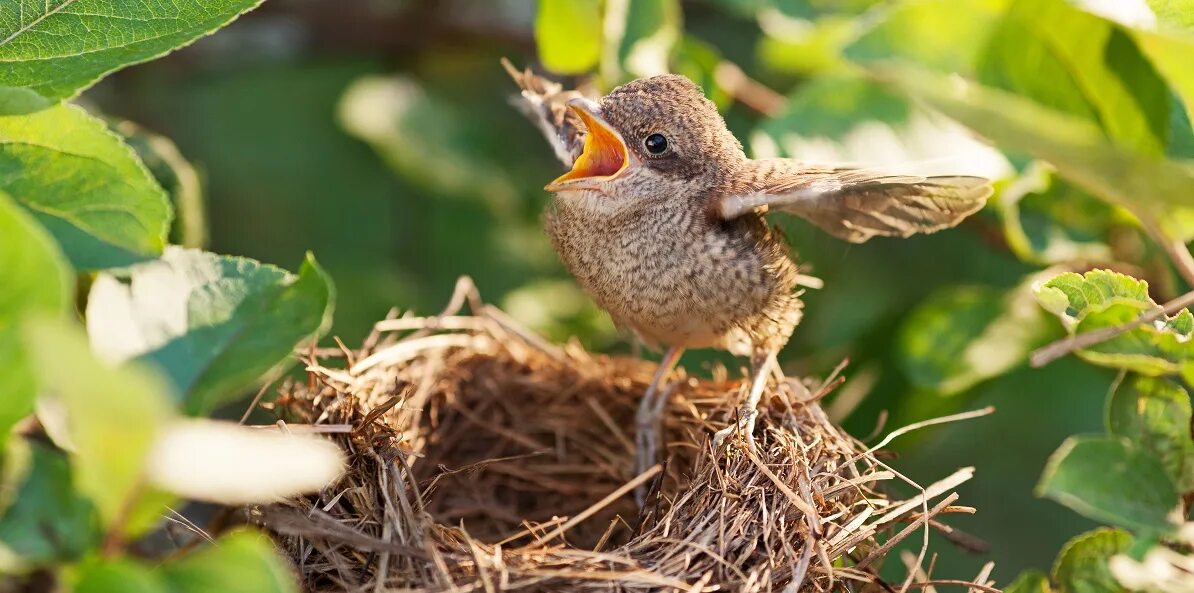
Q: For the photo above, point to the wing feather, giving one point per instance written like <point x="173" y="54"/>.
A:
<point x="857" y="204"/>
<point x="544" y="102"/>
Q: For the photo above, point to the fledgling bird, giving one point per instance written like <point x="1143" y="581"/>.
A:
<point x="661" y="220"/>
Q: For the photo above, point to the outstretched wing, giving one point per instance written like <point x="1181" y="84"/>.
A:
<point x="544" y="102"/>
<point x="856" y="204"/>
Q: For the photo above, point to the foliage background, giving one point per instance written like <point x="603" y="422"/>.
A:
<point x="377" y="133"/>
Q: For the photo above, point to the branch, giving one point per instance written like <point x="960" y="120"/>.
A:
<point x="747" y="90"/>
<point x="1175" y="248"/>
<point x="1178" y="254"/>
<point x="1048" y="354"/>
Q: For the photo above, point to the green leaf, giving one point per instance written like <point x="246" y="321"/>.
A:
<point x="962" y="335"/>
<point x="1110" y="480"/>
<point x="1174" y="12"/>
<point x="1092" y="292"/>
<point x="1077" y="148"/>
<point x="698" y="61"/>
<point x="1101" y="299"/>
<point x="118" y="575"/>
<point x="946" y="35"/>
<point x="1169" y="54"/>
<point x="241" y="562"/>
<point x="1029" y="581"/>
<point x="1154" y="413"/>
<point x="48" y="522"/>
<point x="85" y="185"/>
<point x="214" y="324"/>
<point x="1083" y="65"/>
<point x="426" y="139"/>
<point x="652" y="30"/>
<point x="809" y="48"/>
<point x="1081" y="566"/>
<point x="59" y="47"/>
<point x="174" y="174"/>
<point x="833" y="106"/>
<point x="1046" y="220"/>
<point x="1182" y="323"/>
<point x="17" y="101"/>
<point x="36" y="280"/>
<point x="568" y="33"/>
<point x="854" y="119"/>
<point x="114" y="415"/>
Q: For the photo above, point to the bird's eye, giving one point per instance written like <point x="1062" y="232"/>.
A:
<point x="655" y="143"/>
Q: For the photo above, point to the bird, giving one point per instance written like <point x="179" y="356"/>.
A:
<point x="662" y="219"/>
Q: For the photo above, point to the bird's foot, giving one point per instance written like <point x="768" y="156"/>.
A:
<point x="646" y="439"/>
<point x="647" y="420"/>
<point x="744" y="426"/>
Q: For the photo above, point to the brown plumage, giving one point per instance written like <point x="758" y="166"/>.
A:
<point x="673" y="243"/>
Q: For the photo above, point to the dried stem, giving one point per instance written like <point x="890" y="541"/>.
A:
<point x="475" y="445"/>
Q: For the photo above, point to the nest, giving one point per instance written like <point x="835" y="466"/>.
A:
<point x="483" y="458"/>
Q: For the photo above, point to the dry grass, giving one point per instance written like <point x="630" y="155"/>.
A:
<point x="484" y="459"/>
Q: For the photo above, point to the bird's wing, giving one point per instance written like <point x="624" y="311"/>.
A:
<point x="544" y="102"/>
<point x="856" y="204"/>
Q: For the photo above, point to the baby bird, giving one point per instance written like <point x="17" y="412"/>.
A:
<point x="661" y="220"/>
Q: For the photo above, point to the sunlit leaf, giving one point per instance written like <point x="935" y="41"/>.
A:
<point x="1112" y="481"/>
<point x="1077" y="63"/>
<point x="652" y="29"/>
<point x="1081" y="566"/>
<point x="48" y="521"/>
<point x="963" y="335"/>
<point x="117" y="575"/>
<point x="177" y="176"/>
<point x="36" y="280"/>
<point x="1029" y="581"/>
<point x="698" y="61"/>
<point x="1099" y="299"/>
<point x="424" y="139"/>
<point x="947" y="35"/>
<point x="58" y="47"/>
<point x="1077" y="148"/>
<point x="19" y="101"/>
<point x="805" y="47"/>
<point x="231" y="464"/>
<point x="1169" y="54"/>
<point x="568" y="33"/>
<point x="213" y="323"/>
<point x="1175" y="12"/>
<point x="854" y="120"/>
<point x="1046" y="220"/>
<point x="1075" y="296"/>
<point x="241" y="562"/>
<point x="1154" y="413"/>
<point x="114" y="415"/>
<point x="84" y="185"/>
<point x="560" y="310"/>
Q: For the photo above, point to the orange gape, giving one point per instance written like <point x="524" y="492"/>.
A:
<point x="604" y="153"/>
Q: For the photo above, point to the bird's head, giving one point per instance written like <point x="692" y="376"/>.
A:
<point x="652" y="138"/>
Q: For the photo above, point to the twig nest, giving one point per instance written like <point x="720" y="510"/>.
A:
<point x="485" y="459"/>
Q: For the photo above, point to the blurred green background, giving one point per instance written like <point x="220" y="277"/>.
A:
<point x="378" y="134"/>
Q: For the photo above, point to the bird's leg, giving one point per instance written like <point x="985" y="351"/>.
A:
<point x="646" y="434"/>
<point x="760" y="365"/>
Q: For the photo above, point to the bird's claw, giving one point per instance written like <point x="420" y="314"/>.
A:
<point x="744" y="426"/>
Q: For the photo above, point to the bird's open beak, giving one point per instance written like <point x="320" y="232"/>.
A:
<point x="604" y="156"/>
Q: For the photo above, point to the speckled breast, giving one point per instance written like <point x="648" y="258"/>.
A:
<point x="676" y="278"/>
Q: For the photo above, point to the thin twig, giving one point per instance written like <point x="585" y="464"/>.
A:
<point x="1048" y="354"/>
<point x="747" y="90"/>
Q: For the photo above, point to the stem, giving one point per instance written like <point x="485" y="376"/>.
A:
<point x="1175" y="248"/>
<point x="1060" y="348"/>
<point x="1178" y="254"/>
<point x="747" y="90"/>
